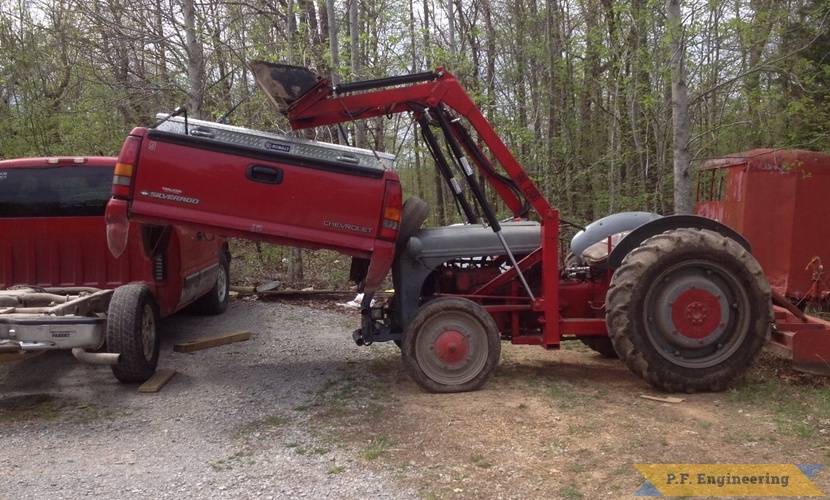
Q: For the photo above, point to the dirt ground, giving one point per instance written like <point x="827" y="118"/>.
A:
<point x="299" y="410"/>
<point x="571" y="424"/>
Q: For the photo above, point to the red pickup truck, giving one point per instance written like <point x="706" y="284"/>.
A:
<point x="62" y="289"/>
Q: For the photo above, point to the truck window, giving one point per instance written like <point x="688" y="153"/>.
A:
<point x="55" y="191"/>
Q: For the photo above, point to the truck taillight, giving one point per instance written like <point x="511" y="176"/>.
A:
<point x="391" y="221"/>
<point x="125" y="168"/>
<point x="118" y="226"/>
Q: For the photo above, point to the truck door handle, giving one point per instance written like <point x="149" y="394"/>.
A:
<point x="201" y="132"/>
<point x="263" y="174"/>
<point x="348" y="159"/>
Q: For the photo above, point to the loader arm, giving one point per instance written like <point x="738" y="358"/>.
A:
<point x="325" y="104"/>
<point x="437" y="98"/>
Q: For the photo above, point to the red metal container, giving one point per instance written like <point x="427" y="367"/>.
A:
<point x="780" y="201"/>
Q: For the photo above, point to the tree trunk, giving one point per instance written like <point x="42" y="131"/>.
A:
<point x="357" y="70"/>
<point x="291" y="23"/>
<point x="195" y="60"/>
<point x="295" y="265"/>
<point x="680" y="111"/>
<point x="451" y="30"/>
<point x="334" y="52"/>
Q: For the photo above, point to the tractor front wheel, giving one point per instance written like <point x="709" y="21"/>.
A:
<point x="689" y="310"/>
<point x="451" y="345"/>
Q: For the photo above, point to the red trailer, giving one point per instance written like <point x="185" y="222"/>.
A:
<point x="775" y="198"/>
<point x="778" y="199"/>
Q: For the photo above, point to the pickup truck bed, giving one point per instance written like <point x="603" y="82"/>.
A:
<point x="260" y="186"/>
<point x="58" y="282"/>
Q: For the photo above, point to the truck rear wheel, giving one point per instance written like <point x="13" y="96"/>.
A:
<point x="689" y="310"/>
<point x="451" y="345"/>
<point x="216" y="300"/>
<point x="131" y="331"/>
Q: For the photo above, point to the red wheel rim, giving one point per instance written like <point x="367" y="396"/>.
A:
<point x="696" y="313"/>
<point x="451" y="347"/>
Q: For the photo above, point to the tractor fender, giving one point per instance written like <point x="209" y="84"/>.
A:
<point x="668" y="223"/>
<point x="608" y="226"/>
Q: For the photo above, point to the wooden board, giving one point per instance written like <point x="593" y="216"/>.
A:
<point x="157" y="381"/>
<point x="667" y="399"/>
<point x="207" y="343"/>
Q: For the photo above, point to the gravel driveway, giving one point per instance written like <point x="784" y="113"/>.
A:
<point x="228" y="425"/>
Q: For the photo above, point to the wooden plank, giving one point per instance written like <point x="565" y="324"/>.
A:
<point x="667" y="399"/>
<point x="310" y="294"/>
<point x="157" y="381"/>
<point x="207" y="343"/>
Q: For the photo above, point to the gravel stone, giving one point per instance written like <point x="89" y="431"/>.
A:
<point x="71" y="430"/>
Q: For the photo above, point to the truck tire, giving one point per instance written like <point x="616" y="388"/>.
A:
<point x="215" y="302"/>
<point x="689" y="310"/>
<point x="131" y="331"/>
<point x="451" y="345"/>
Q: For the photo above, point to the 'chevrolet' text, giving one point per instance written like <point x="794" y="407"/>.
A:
<point x="348" y="227"/>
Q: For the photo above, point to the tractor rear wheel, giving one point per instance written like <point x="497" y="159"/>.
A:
<point x="601" y="345"/>
<point x="451" y="345"/>
<point x="689" y="310"/>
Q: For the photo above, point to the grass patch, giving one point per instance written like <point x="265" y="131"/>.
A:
<point x="576" y="468"/>
<point x="570" y="492"/>
<point x="586" y="428"/>
<point x="299" y="450"/>
<point x="336" y="396"/>
<point x="555" y="447"/>
<point x="703" y="425"/>
<point x="796" y="410"/>
<point x="562" y="393"/>
<point x="377" y="448"/>
<point x="386" y="358"/>
<point x="239" y="458"/>
<point x="48" y="408"/>
<point x="480" y="462"/>
<point x="576" y="346"/>
<point x="335" y="469"/>
<point x="277" y="421"/>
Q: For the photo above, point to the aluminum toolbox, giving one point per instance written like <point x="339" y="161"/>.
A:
<point x="273" y="142"/>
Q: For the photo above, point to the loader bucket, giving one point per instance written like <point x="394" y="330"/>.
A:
<point x="805" y="338"/>
<point x="282" y="83"/>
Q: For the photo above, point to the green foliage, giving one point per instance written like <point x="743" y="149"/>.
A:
<point x="577" y="91"/>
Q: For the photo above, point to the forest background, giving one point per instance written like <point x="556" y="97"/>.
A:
<point x="580" y="90"/>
